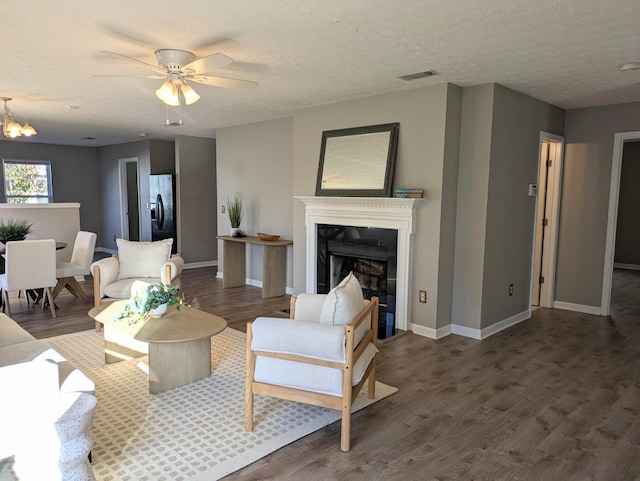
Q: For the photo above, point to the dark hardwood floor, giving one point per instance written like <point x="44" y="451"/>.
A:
<point x="556" y="397"/>
<point x="202" y="289"/>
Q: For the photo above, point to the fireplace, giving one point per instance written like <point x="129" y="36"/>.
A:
<point x="364" y="214"/>
<point x="371" y="254"/>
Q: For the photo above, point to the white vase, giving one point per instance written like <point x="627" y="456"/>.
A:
<point x="235" y="232"/>
<point x="159" y="311"/>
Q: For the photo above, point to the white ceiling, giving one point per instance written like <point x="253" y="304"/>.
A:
<point x="302" y="53"/>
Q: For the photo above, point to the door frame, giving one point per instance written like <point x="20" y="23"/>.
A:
<point x="547" y="289"/>
<point x="619" y="139"/>
<point x="124" y="200"/>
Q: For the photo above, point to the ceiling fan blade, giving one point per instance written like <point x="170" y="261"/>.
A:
<point x="204" y="64"/>
<point x="229" y="83"/>
<point x="131" y="76"/>
<point x="131" y="59"/>
<point x="129" y="35"/>
<point x="210" y="43"/>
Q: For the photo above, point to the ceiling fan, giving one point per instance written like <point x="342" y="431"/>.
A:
<point x="177" y="67"/>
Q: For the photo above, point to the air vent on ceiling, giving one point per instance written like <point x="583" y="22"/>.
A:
<point x="414" y="76"/>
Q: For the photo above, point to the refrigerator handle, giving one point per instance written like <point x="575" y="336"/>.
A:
<point x="159" y="211"/>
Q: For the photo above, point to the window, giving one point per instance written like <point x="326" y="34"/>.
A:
<point x="27" y="181"/>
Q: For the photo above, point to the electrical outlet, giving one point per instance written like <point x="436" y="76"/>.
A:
<point x="223" y="209"/>
<point x="423" y="296"/>
<point x="510" y="289"/>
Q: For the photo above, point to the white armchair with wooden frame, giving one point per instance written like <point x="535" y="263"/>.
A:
<point x="322" y="355"/>
<point x="150" y="262"/>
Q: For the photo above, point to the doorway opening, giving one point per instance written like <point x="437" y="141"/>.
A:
<point x="619" y="140"/>
<point x="551" y="153"/>
<point x="129" y="198"/>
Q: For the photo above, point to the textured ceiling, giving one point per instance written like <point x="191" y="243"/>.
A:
<point x="302" y="54"/>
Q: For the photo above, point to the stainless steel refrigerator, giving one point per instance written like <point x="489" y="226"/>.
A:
<point x="162" y="189"/>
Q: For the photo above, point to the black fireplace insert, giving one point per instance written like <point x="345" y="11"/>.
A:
<point x="371" y="254"/>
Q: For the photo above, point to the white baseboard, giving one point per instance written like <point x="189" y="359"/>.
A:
<point x="596" y="310"/>
<point x="493" y="328"/>
<point x="430" y="332"/>
<point x="195" y="265"/>
<point x="255" y="283"/>
<point x="466" y="331"/>
<point x="633" y="267"/>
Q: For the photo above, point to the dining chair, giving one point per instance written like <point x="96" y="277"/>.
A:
<point x="29" y="265"/>
<point x="80" y="265"/>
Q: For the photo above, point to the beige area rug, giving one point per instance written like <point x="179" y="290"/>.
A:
<point x="191" y="433"/>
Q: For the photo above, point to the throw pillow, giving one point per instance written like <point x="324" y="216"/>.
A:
<point x="142" y="259"/>
<point x="343" y="303"/>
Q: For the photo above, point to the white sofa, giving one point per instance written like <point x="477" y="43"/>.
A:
<point x="46" y="409"/>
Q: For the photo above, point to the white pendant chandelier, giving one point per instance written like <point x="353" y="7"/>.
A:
<point x="11" y="128"/>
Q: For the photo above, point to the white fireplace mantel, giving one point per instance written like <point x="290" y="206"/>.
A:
<point x="379" y="212"/>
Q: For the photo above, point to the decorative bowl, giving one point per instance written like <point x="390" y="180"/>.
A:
<point x="268" y="237"/>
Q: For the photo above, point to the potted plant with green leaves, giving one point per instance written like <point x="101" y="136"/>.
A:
<point x="14" y="229"/>
<point x="234" y="211"/>
<point x="151" y="301"/>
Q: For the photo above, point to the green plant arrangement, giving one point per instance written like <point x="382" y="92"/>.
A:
<point x="140" y="305"/>
<point x="234" y="210"/>
<point x="14" y="229"/>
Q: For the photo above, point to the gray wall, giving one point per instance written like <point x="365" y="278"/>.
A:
<point x="448" y="215"/>
<point x="162" y="157"/>
<point x="585" y="198"/>
<point x="627" y="249"/>
<point x="473" y="193"/>
<point x="515" y="139"/>
<point x="423" y="146"/>
<point x="196" y="199"/>
<point x="109" y="189"/>
<point x="74" y="174"/>
<point x="494" y="238"/>
<point x="255" y="161"/>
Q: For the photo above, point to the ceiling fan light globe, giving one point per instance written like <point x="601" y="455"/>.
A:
<point x="168" y="94"/>
<point x="190" y="95"/>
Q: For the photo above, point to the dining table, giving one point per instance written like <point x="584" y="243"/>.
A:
<point x="59" y="245"/>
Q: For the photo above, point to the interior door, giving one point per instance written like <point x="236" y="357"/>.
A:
<point x="542" y="221"/>
<point x="133" y="207"/>
<point x="546" y="227"/>
<point x="129" y="199"/>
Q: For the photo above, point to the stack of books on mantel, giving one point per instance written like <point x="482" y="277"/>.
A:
<point x="408" y="193"/>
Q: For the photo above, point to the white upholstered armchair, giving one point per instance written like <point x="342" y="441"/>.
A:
<point x="150" y="262"/>
<point x="322" y="355"/>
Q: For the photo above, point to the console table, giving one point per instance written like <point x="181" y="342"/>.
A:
<point x="274" y="263"/>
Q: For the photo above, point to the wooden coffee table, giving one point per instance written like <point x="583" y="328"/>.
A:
<point x="178" y="343"/>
